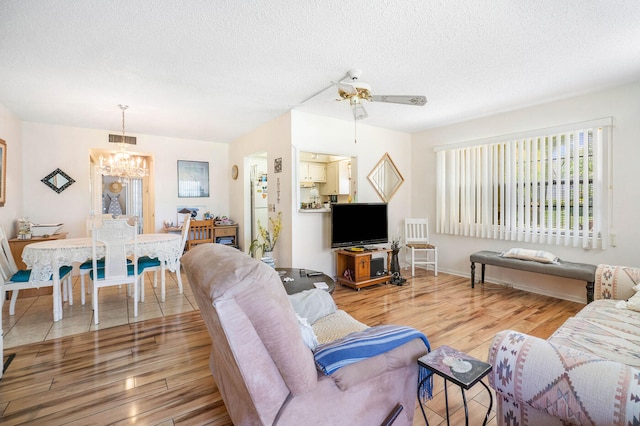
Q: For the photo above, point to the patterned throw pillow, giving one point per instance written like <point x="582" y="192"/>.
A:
<point x="528" y="254"/>
<point x="633" y="303"/>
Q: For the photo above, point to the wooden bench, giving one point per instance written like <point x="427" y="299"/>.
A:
<point x="577" y="271"/>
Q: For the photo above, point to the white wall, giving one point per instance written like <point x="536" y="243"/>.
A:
<point x="304" y="242"/>
<point x="453" y="251"/>
<point x="166" y="153"/>
<point x="274" y="139"/>
<point x="311" y="231"/>
<point x="11" y="133"/>
<point x="48" y="147"/>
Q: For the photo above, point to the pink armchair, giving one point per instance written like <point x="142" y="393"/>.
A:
<point x="263" y="369"/>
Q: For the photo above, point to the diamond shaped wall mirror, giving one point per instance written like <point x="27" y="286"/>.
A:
<point x="386" y="178"/>
<point x="57" y="180"/>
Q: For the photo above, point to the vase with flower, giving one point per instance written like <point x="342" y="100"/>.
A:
<point x="267" y="239"/>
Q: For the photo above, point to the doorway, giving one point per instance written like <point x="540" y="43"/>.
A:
<point x="135" y="198"/>
<point x="259" y="192"/>
<point x="123" y="200"/>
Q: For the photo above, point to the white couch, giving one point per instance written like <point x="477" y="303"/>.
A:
<point x="586" y="373"/>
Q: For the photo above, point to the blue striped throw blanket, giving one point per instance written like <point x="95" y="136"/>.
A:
<point x="365" y="344"/>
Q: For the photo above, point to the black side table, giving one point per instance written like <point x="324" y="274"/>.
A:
<point x="396" y="277"/>
<point x="459" y="368"/>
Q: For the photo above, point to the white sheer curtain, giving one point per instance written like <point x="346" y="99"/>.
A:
<point x="549" y="186"/>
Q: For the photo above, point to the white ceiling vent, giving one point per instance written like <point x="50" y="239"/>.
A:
<point x="131" y="140"/>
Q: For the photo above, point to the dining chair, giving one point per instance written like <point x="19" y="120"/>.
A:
<point x="200" y="232"/>
<point x="155" y="265"/>
<point x="115" y="235"/>
<point x="15" y="279"/>
<point x="185" y="234"/>
<point x="416" y="234"/>
<point x="85" y="267"/>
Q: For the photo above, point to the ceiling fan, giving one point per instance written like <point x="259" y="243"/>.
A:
<point x="351" y="88"/>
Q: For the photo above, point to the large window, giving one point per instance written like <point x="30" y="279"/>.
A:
<point x="548" y="186"/>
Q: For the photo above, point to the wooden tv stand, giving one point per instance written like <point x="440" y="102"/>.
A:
<point x="359" y="263"/>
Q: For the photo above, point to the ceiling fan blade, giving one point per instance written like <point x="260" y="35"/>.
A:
<point x="346" y="86"/>
<point x="316" y="94"/>
<point x="401" y="99"/>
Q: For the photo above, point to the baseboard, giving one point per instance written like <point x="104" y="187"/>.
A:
<point x="523" y="287"/>
<point x="557" y="295"/>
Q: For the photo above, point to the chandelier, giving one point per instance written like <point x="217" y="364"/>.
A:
<point x="121" y="164"/>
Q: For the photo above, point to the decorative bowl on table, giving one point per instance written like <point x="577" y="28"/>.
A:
<point x="44" y="230"/>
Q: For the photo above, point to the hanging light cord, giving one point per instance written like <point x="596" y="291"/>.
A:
<point x="123" y="108"/>
<point x="355" y="125"/>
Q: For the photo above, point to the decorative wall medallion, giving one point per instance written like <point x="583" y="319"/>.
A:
<point x="115" y="187"/>
<point x="234" y="172"/>
<point x="57" y="180"/>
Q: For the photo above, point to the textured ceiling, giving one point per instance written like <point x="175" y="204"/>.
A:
<point x="215" y="70"/>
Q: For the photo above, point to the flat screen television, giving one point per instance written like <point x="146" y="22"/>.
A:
<point x="358" y="224"/>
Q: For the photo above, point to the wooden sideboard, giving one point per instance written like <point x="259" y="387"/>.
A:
<point x="226" y="234"/>
<point x="223" y="234"/>
<point x="17" y="245"/>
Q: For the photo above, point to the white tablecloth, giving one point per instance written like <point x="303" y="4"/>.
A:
<point x="45" y="258"/>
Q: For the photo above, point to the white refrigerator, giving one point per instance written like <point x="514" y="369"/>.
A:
<point x="259" y="202"/>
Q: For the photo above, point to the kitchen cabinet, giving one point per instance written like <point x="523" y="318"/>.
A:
<point x="313" y="172"/>
<point x="338" y="179"/>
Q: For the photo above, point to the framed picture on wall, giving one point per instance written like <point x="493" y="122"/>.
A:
<point x="3" y="172"/>
<point x="193" y="179"/>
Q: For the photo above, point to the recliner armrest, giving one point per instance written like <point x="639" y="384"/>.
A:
<point x="362" y="371"/>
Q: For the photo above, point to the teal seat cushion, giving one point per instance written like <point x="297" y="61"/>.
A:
<point x="101" y="272"/>
<point x="148" y="262"/>
<point x="89" y="264"/>
<point x="23" y="276"/>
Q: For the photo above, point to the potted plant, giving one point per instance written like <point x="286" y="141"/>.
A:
<point x="267" y="240"/>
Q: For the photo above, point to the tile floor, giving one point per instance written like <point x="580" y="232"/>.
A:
<point x="33" y="320"/>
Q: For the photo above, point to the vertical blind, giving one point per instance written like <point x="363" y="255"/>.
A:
<point x="548" y="186"/>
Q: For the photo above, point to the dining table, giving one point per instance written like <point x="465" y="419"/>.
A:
<point x="45" y="258"/>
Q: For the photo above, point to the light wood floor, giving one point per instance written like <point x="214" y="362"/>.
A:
<point x="156" y="371"/>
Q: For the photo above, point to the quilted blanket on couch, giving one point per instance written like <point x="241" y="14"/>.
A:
<point x="603" y="330"/>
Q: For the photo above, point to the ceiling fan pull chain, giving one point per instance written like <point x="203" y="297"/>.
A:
<point x="355" y="127"/>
